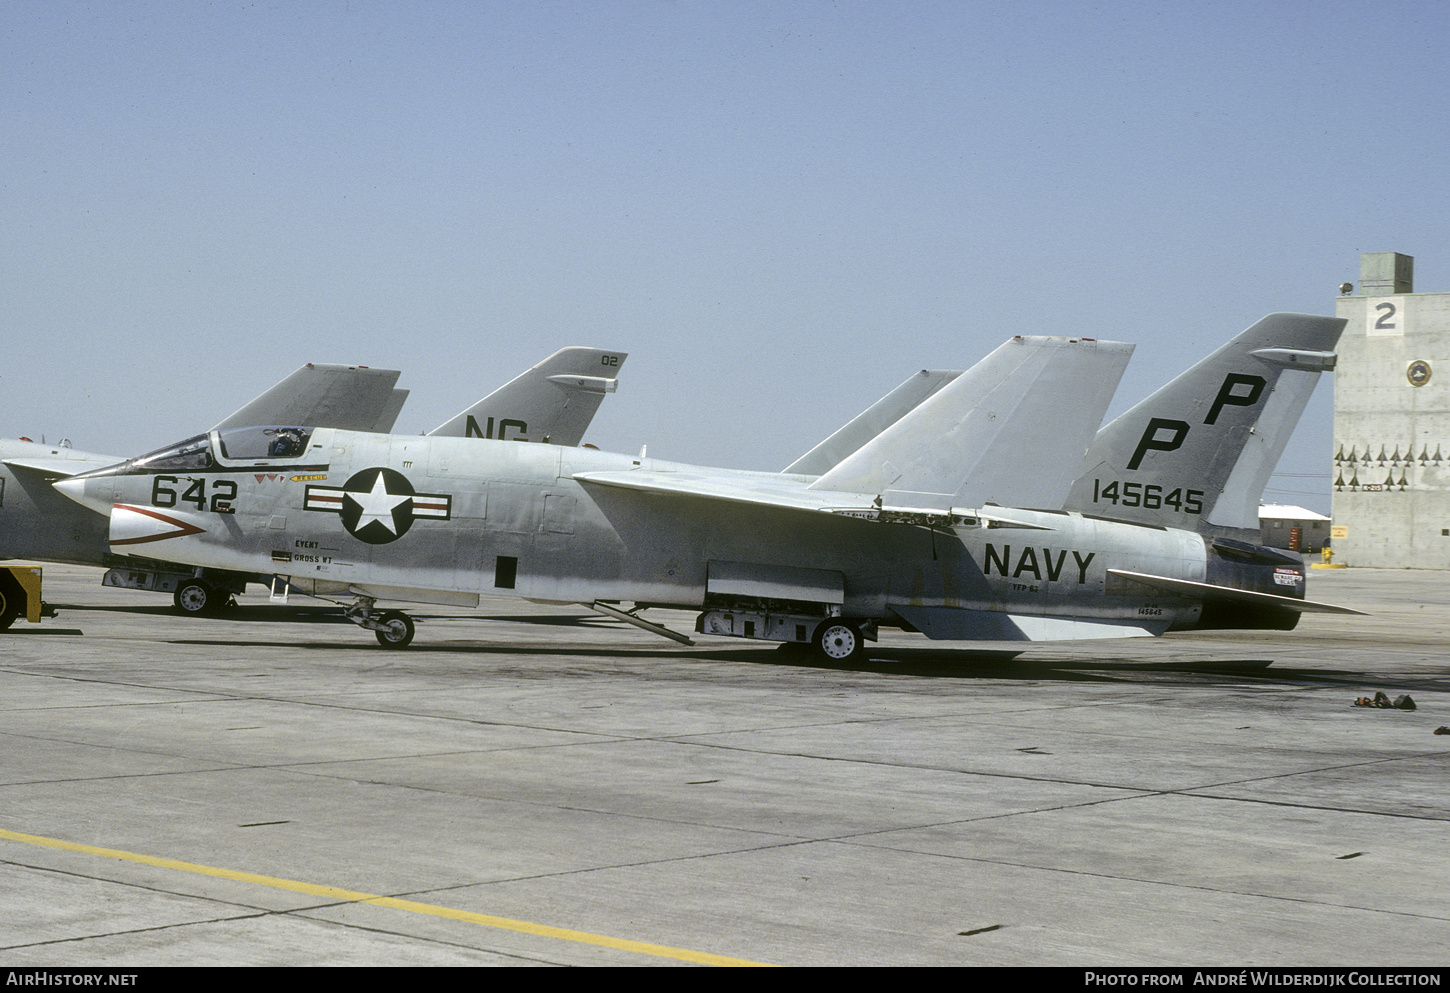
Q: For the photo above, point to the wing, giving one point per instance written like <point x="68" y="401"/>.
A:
<point x="968" y="440"/>
<point x="350" y="397"/>
<point x="52" y="461"/>
<point x="1011" y="430"/>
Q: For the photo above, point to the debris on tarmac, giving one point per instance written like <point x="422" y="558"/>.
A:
<point x="1382" y="701"/>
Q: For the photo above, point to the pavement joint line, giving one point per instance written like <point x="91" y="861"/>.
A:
<point x="353" y="896"/>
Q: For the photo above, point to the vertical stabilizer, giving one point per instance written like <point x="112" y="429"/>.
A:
<point x="1198" y="452"/>
<point x="552" y="402"/>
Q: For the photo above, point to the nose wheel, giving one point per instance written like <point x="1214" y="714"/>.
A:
<point x="396" y="630"/>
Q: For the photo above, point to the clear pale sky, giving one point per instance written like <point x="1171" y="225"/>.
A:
<point x="780" y="210"/>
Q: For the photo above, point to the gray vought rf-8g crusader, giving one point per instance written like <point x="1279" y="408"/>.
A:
<point x="970" y="512"/>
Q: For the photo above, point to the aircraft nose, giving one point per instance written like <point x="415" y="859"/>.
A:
<point x="84" y="492"/>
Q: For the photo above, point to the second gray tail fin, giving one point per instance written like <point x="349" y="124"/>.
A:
<point x="552" y="402"/>
<point x="1198" y="452"/>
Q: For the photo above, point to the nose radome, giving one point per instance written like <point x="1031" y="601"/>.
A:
<point x="84" y="492"/>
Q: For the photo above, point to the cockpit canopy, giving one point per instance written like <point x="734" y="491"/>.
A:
<point x="256" y="444"/>
<point x="193" y="453"/>
<point x="276" y="442"/>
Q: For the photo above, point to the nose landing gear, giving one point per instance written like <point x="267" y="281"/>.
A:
<point x="394" y="629"/>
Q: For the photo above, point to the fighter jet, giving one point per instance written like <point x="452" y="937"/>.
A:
<point x="34" y="525"/>
<point x="554" y="401"/>
<point x="975" y="515"/>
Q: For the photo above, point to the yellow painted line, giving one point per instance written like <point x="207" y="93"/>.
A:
<point x="351" y="896"/>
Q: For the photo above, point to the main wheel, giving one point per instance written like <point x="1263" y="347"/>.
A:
<point x="397" y="630"/>
<point x="838" y="641"/>
<point x="195" y="598"/>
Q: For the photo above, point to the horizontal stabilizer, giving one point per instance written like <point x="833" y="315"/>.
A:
<point x="51" y="461"/>
<point x="1207" y="591"/>
<point x="1011" y="430"/>
<point x="348" y="397"/>
<point x="958" y="624"/>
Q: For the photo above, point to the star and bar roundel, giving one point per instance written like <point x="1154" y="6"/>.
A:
<point x="378" y="505"/>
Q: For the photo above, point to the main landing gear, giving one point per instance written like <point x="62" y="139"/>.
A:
<point x="394" y="629"/>
<point x="839" y="641"/>
<point x="832" y="639"/>
<point x="197" y="598"/>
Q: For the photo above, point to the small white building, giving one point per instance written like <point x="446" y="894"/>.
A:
<point x="1286" y="526"/>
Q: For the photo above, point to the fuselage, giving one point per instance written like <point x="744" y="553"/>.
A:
<point x="437" y="518"/>
<point x="38" y="523"/>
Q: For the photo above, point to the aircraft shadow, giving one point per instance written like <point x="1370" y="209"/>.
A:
<point x="934" y="662"/>
<point x="930" y="663"/>
<point x="295" y="614"/>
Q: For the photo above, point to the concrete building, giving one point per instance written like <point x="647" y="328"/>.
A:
<point x="1392" y="421"/>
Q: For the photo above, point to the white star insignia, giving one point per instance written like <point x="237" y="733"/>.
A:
<point x="377" y="505"/>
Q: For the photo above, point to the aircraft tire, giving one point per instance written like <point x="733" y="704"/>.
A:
<point x="839" y="641"/>
<point x="398" y="632"/>
<point x="195" y="598"/>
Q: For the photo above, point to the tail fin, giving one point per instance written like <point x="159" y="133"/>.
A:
<point x="1009" y="430"/>
<point x="553" y="402"/>
<point x="872" y="421"/>
<point x="1198" y="452"/>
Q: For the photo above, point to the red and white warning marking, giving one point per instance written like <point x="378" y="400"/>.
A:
<point x="139" y="525"/>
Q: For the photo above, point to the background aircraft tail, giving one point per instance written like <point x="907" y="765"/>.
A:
<point x="1010" y="430"/>
<point x="1198" y="452"/>
<point x="872" y="421"/>
<point x="552" y="402"/>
